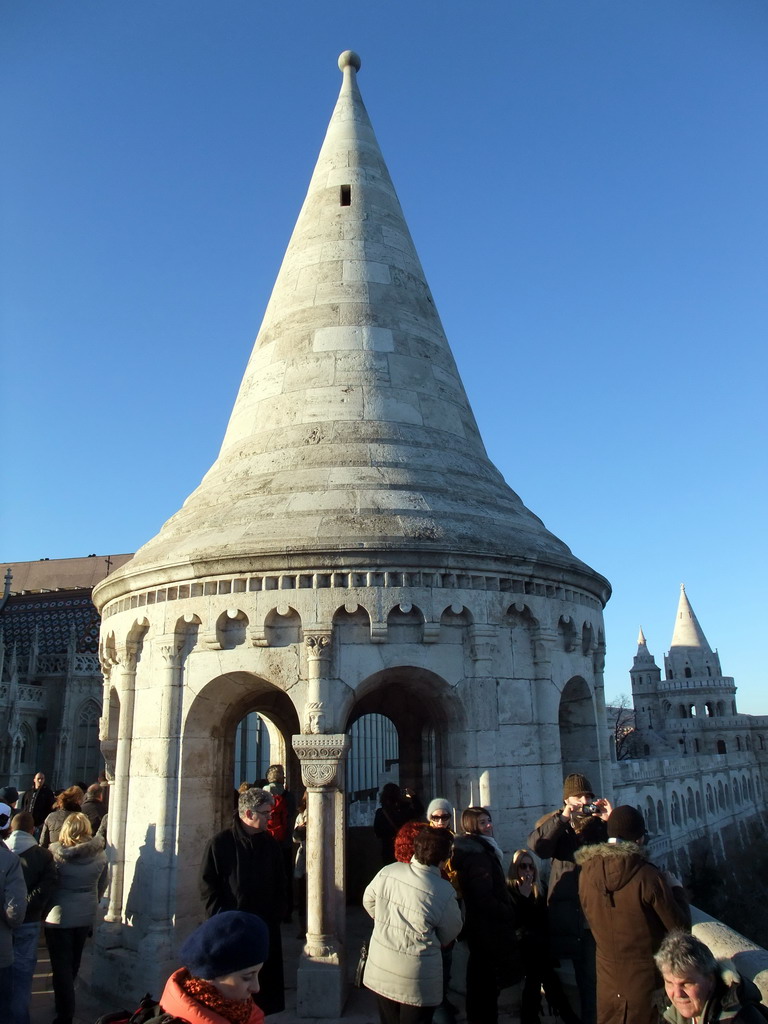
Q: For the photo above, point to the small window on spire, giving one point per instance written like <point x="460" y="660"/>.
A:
<point x="345" y="196"/>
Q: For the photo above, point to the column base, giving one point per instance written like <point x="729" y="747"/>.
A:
<point x="321" y="984"/>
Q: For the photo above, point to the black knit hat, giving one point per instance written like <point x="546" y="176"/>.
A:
<point x="577" y="785"/>
<point x="9" y="795"/>
<point x="224" y="944"/>
<point x="626" y="822"/>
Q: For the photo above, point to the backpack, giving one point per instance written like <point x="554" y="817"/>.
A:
<point x="147" y="1011"/>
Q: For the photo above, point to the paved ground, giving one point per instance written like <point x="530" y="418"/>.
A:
<point x="360" y="1008"/>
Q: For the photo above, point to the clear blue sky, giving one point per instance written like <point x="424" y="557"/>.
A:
<point x="585" y="181"/>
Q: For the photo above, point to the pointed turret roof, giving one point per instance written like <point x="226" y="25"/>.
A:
<point x="641" y="639"/>
<point x="688" y="632"/>
<point x="351" y="431"/>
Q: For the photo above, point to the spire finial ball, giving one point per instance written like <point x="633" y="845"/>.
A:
<point x="349" y="59"/>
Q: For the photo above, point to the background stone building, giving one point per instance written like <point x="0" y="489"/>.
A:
<point x="50" y="678"/>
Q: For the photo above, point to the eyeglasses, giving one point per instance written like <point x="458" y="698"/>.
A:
<point x="440" y="817"/>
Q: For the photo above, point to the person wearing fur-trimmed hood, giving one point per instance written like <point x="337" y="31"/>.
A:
<point x="630" y="905"/>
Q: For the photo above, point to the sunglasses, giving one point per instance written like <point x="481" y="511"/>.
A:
<point x="440" y="817"/>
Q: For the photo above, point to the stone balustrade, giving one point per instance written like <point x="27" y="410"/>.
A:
<point x="750" y="960"/>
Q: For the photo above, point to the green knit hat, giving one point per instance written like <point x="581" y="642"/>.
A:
<point x="577" y="785"/>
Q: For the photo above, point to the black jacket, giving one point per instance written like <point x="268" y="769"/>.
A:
<point x="243" y="870"/>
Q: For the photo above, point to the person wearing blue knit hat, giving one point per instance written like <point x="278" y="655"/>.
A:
<point x="222" y="960"/>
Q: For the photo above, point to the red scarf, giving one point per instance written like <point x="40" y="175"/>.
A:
<point x="238" y="1011"/>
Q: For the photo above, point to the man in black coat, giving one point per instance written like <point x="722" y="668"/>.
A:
<point x="242" y="869"/>
<point x="38" y="800"/>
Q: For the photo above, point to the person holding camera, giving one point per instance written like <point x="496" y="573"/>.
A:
<point x="557" y="836"/>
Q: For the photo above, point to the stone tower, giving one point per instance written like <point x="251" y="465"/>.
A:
<point x="352" y="550"/>
<point x="693" y="709"/>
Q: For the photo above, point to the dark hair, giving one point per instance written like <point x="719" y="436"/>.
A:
<point x="390" y="795"/>
<point x="432" y="846"/>
<point x="23" y="822"/>
<point x="470" y="818"/>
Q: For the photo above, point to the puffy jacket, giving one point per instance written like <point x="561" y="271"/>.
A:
<point x="52" y="824"/>
<point x="415" y="912"/>
<point x="81" y="880"/>
<point x="735" y="1000"/>
<point x="630" y="907"/>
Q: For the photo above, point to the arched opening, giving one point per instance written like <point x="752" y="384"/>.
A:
<point x="721" y="747"/>
<point x="397" y="724"/>
<point x="206" y="794"/>
<point x="578" y="731"/>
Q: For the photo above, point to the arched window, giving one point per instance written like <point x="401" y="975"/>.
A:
<point x="87" y="751"/>
<point x="721" y="747"/>
<point x="710" y="800"/>
<point x="738" y="743"/>
<point x="699" y="810"/>
<point x="687" y="672"/>
<point x="650" y="815"/>
<point x="660" y="815"/>
<point x="675" y="810"/>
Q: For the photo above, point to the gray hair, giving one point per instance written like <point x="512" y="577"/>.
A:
<point x="680" y="952"/>
<point x="253" y="798"/>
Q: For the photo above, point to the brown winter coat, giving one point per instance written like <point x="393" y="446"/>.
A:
<point x="630" y="908"/>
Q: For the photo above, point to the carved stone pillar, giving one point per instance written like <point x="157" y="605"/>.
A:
<point x="318" y="646"/>
<point x="321" y="987"/>
<point x="163" y="876"/>
<point x="125" y="660"/>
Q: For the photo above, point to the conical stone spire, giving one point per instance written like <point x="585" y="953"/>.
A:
<point x="351" y="431"/>
<point x="688" y="632"/>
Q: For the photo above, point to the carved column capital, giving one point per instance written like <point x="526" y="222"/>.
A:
<point x="318" y="645"/>
<point x="321" y="757"/>
<point x="127" y="655"/>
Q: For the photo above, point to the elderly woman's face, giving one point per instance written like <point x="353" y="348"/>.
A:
<point x="689" y="992"/>
<point x="240" y="985"/>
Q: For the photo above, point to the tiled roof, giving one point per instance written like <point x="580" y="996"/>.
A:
<point x="53" y="615"/>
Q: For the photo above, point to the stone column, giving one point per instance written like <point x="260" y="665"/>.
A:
<point x="544" y="642"/>
<point x="126" y="659"/>
<point x="321" y="987"/>
<point x="163" y="874"/>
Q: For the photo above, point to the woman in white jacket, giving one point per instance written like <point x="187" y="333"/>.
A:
<point x="415" y="912"/>
<point x="81" y="870"/>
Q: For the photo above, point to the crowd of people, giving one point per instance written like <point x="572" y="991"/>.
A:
<point x="621" y="922"/>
